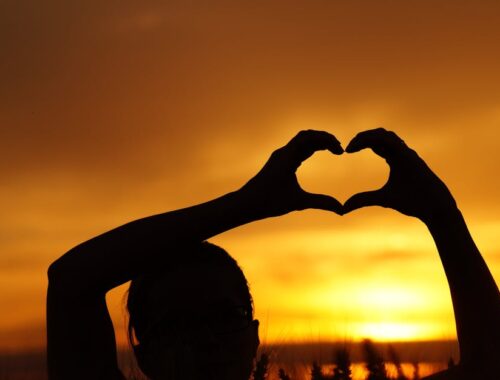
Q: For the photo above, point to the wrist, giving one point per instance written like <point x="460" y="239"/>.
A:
<point x="443" y="217"/>
<point x="439" y="207"/>
<point x="252" y="205"/>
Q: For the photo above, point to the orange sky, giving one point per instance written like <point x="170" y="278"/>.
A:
<point x="110" y="112"/>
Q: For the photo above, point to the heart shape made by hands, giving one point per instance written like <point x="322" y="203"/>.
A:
<point x="342" y="176"/>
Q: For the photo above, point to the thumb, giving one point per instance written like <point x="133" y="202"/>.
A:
<point x="368" y="198"/>
<point x="322" y="202"/>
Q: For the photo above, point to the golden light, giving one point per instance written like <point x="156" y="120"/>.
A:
<point x="394" y="331"/>
<point x="142" y="109"/>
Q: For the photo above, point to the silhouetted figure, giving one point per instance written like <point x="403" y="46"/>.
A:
<point x="191" y="315"/>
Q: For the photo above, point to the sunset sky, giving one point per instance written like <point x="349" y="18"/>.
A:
<point x="112" y="111"/>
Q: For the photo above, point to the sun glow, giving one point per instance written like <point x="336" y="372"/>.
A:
<point x="287" y="328"/>
<point x="393" y="331"/>
<point x="143" y="109"/>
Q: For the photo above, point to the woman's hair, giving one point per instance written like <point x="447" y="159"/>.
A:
<point x="142" y="309"/>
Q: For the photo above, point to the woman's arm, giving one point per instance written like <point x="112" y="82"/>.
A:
<point x="475" y="296"/>
<point x="414" y="190"/>
<point x="80" y="334"/>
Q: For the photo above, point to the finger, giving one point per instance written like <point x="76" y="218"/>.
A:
<point x="368" y="198"/>
<point x="305" y="143"/>
<point x="385" y="143"/>
<point x="322" y="202"/>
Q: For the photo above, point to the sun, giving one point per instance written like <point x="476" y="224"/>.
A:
<point x="391" y="331"/>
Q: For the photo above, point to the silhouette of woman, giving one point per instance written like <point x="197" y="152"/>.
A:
<point x="191" y="314"/>
<point x="190" y="308"/>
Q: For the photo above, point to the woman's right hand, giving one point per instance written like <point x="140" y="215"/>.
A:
<point x="412" y="188"/>
<point x="275" y="190"/>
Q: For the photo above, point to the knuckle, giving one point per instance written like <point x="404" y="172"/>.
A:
<point x="301" y="135"/>
<point x="277" y="153"/>
<point x="358" y="136"/>
<point x="393" y="135"/>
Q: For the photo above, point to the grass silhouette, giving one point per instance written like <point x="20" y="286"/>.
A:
<point x="374" y="362"/>
<point x="308" y="364"/>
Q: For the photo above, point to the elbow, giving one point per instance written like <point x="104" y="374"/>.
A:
<point x="61" y="274"/>
<point x="53" y="271"/>
<point x="59" y="268"/>
<point x="56" y="275"/>
<point x="69" y="275"/>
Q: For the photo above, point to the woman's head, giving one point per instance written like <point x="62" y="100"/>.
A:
<point x="195" y="318"/>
